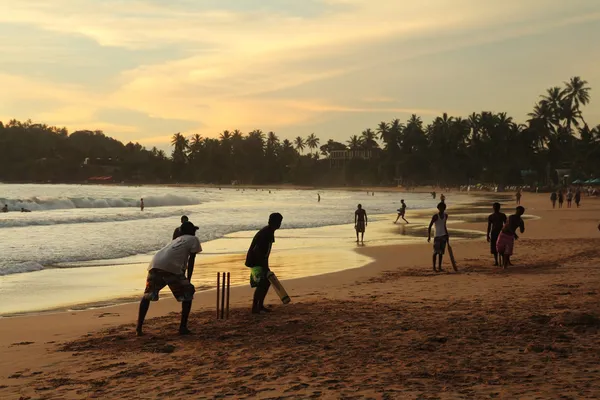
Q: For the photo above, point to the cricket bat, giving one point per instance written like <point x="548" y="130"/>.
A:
<point x="278" y="288"/>
<point x="452" y="260"/>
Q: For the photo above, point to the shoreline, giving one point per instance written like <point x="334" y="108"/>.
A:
<point x="483" y="325"/>
<point x="289" y="252"/>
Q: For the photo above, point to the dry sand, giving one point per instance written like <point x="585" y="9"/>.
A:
<point x="393" y="329"/>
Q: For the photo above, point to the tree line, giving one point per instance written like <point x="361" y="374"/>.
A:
<point x="482" y="147"/>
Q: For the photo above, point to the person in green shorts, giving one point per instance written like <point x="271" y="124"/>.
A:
<point x="257" y="260"/>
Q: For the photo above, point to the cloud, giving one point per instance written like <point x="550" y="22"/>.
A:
<point x="268" y="64"/>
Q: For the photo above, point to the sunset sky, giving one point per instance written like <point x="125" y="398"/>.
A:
<point x="143" y="70"/>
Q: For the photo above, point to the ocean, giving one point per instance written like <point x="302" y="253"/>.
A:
<point x="74" y="227"/>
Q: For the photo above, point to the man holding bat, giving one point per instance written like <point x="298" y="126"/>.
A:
<point x="168" y="267"/>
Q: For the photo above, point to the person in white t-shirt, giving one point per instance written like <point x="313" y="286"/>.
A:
<point x="168" y="267"/>
<point x="441" y="235"/>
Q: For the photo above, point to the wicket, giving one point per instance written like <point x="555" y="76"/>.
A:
<point x="223" y="295"/>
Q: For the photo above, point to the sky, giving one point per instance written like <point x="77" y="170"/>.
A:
<point x="142" y="70"/>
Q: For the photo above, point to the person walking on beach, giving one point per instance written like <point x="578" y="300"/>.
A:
<point x="441" y="235"/>
<point x="553" y="197"/>
<point x="360" y="222"/>
<point x="177" y="231"/>
<point x="569" y="198"/>
<point x="577" y="197"/>
<point x="518" y="196"/>
<point x="496" y="222"/>
<point x="442" y="198"/>
<point x="168" y="267"/>
<point x="257" y="259"/>
<point x="142" y="204"/>
<point x="508" y="235"/>
<point x="561" y="199"/>
<point x="401" y="212"/>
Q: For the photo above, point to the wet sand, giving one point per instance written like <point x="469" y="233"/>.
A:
<point x="392" y="329"/>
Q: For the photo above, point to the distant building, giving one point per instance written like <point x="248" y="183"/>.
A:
<point x="338" y="158"/>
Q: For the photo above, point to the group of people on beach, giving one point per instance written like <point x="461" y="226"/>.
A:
<point x="173" y="266"/>
<point x="560" y="196"/>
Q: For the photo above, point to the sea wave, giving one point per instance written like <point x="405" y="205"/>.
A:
<point x="62" y="203"/>
<point x="28" y="266"/>
<point x="22" y="220"/>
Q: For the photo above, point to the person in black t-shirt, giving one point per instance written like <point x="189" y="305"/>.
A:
<point x="257" y="260"/>
<point x="495" y="223"/>
<point x="177" y="231"/>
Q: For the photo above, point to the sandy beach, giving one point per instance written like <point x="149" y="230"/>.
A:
<point x="391" y="329"/>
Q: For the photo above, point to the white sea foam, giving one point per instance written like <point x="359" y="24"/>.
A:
<point x="61" y="203"/>
<point x="28" y="266"/>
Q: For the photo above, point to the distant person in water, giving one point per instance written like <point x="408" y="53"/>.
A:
<point x="553" y="198"/>
<point x="441" y="235"/>
<point x="401" y="212"/>
<point x="518" y="196"/>
<point x="142" y="204"/>
<point x="508" y="235"/>
<point x="318" y="198"/>
<point x="496" y="222"/>
<point x="25" y="210"/>
<point x="360" y="222"/>
<point x="257" y="259"/>
<point x="177" y="231"/>
<point x="577" y="197"/>
<point x="5" y="208"/>
<point x="168" y="267"/>
<point x="442" y="198"/>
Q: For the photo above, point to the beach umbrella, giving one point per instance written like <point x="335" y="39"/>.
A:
<point x="588" y="181"/>
<point x="596" y="181"/>
<point x="577" y="181"/>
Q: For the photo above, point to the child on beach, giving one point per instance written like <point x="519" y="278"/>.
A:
<point x="441" y="235"/>
<point x="508" y="235"/>
<point x="168" y="267"/>
<point x="496" y="222"/>
<point x="401" y="212"/>
<point x="257" y="260"/>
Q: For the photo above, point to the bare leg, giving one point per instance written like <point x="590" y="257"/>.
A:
<point x="362" y="237"/>
<point x="496" y="260"/>
<point x="434" y="257"/>
<point x="405" y="219"/>
<point x="186" y="307"/>
<point x="144" y="306"/>
<point x="440" y="263"/>
<point x="397" y="218"/>
<point x="356" y="236"/>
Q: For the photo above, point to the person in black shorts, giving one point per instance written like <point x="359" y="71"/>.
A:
<point x="360" y="222"/>
<point x="401" y="212"/>
<point x="257" y="259"/>
<point x="496" y="221"/>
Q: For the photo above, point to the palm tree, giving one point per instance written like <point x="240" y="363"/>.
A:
<point x="368" y="138"/>
<point x="576" y="94"/>
<point x="225" y="136"/>
<point x="272" y="140"/>
<point x="355" y="142"/>
<point x="383" y="131"/>
<point x="299" y="144"/>
<point x="312" y="142"/>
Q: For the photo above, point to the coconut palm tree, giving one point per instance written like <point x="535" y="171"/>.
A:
<point x="576" y="94"/>
<point x="299" y="144"/>
<point x="368" y="138"/>
<point x="355" y="142"/>
<point x="312" y="142"/>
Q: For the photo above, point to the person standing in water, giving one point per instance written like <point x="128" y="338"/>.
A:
<point x="441" y="235"/>
<point x="518" y="196"/>
<point x="257" y="259"/>
<point x="508" y="235"/>
<point x="318" y="198"/>
<point x="5" y="208"/>
<point x="142" y="204"/>
<point x="360" y="222"/>
<point x="496" y="222"/>
<point x="401" y="212"/>
<point x="442" y="198"/>
<point x="168" y="268"/>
